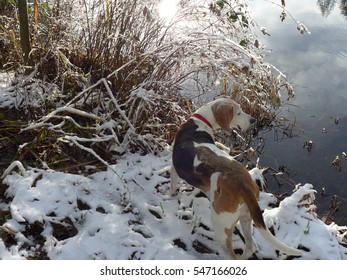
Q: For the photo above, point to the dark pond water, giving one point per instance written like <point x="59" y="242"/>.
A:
<point x="316" y="65"/>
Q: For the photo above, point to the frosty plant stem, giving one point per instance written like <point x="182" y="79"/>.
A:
<point x="44" y="121"/>
<point x="74" y="140"/>
<point x="121" y="112"/>
<point x="307" y="230"/>
<point x="13" y="165"/>
<point x="300" y="26"/>
<point x="107" y="87"/>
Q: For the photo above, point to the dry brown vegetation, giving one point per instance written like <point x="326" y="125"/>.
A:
<point x="112" y="77"/>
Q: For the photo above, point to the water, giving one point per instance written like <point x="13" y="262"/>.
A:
<point x="316" y="65"/>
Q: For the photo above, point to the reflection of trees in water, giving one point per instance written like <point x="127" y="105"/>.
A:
<point x="326" y="6"/>
<point x="343" y="7"/>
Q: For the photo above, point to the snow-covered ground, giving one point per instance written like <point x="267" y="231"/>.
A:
<point x="125" y="213"/>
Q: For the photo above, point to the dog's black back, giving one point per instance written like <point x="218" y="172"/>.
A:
<point x="184" y="153"/>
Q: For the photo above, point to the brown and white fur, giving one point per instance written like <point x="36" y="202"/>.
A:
<point x="227" y="183"/>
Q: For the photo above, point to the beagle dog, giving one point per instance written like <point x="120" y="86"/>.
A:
<point x="226" y="182"/>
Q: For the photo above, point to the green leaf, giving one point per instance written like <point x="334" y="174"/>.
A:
<point x="220" y="4"/>
<point x="243" y="43"/>
<point x="45" y="6"/>
<point x="245" y="21"/>
<point x="233" y="17"/>
<point x="11" y="2"/>
<point x="308" y="227"/>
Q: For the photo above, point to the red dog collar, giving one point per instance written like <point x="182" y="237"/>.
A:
<point x="201" y="118"/>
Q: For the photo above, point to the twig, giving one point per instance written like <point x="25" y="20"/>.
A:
<point x="74" y="140"/>
<point x="72" y="167"/>
<point x="14" y="164"/>
<point x="299" y="25"/>
<point x="7" y="230"/>
<point x="121" y="112"/>
<point x="60" y="110"/>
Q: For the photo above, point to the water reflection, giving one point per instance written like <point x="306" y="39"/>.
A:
<point x="316" y="65"/>
<point x="326" y="6"/>
<point x="343" y="7"/>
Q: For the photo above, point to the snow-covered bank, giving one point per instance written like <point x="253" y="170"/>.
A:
<point x="129" y="216"/>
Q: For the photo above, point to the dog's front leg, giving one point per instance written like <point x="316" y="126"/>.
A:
<point x="174" y="181"/>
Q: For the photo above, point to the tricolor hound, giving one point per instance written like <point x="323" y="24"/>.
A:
<point x="226" y="182"/>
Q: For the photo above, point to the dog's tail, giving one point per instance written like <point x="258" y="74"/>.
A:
<point x="258" y="220"/>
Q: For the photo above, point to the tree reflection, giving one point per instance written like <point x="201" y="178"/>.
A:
<point x="326" y="6"/>
<point x="343" y="7"/>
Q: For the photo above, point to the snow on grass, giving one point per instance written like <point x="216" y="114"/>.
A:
<point x="128" y="215"/>
<point x="116" y="218"/>
<point x="7" y="98"/>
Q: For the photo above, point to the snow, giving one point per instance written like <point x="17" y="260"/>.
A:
<point x="129" y="215"/>
<point x="7" y="99"/>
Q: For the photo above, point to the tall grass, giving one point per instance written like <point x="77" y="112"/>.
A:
<point x="207" y="43"/>
<point x="120" y="60"/>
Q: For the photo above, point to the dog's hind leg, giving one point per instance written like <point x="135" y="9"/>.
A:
<point x="246" y="225"/>
<point x="224" y="232"/>
<point x="229" y="242"/>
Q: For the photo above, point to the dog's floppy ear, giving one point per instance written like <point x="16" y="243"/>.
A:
<point x="223" y="112"/>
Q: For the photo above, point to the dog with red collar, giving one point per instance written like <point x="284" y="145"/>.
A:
<point x="232" y="192"/>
